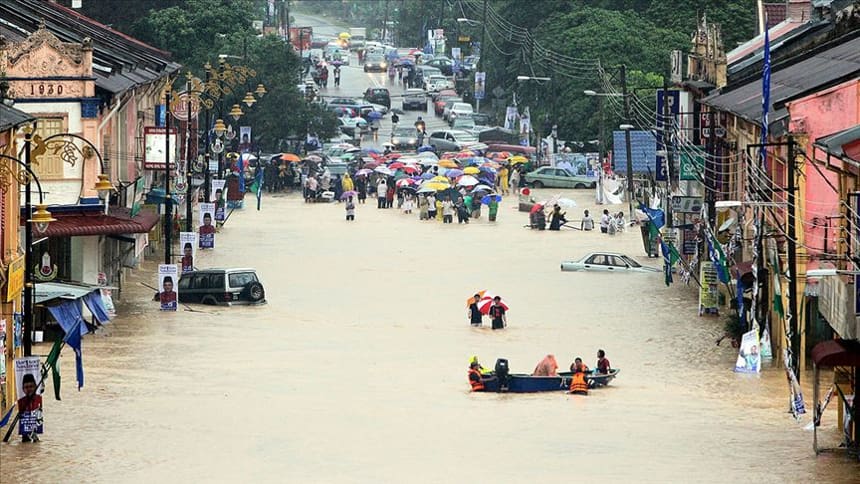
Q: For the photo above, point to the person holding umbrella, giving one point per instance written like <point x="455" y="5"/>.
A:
<point x="337" y="75"/>
<point x="475" y="316"/>
<point x="497" y="313"/>
<point x="374" y="117"/>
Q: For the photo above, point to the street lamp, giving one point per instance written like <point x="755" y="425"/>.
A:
<point x="531" y="78"/>
<point x="468" y="21"/>
<point x="236" y="112"/>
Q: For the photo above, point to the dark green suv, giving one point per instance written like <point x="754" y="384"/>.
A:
<point x="378" y="95"/>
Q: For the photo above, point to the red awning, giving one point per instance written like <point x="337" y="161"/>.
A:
<point x="116" y="222"/>
<point x="837" y="352"/>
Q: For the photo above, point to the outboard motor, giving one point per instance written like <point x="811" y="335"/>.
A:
<point x="502" y="372"/>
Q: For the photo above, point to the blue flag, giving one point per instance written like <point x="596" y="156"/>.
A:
<point x="73" y="339"/>
<point x="765" y="96"/>
<point x="5" y="419"/>
<point x="258" y="181"/>
<point x="740" y="300"/>
<point x="718" y="258"/>
<point x="658" y="218"/>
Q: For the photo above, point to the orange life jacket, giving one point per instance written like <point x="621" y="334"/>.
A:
<point x="477" y="385"/>
<point x="578" y="383"/>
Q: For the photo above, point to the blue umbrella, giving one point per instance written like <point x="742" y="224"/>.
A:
<point x="427" y="176"/>
<point x="486" y="199"/>
<point x="453" y="173"/>
<point x="374" y="115"/>
<point x="371" y="150"/>
<point x="486" y="181"/>
<point x="425" y="148"/>
<point x="487" y="169"/>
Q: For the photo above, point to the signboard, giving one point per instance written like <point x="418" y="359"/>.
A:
<point x="692" y="166"/>
<point x="690" y="242"/>
<point x="168" y="286"/>
<point x="136" y="202"/>
<point x="28" y="373"/>
<point x="709" y="294"/>
<point x="207" y="226"/>
<point x="480" y="84"/>
<point x="673" y="98"/>
<point x="749" y="357"/>
<point x="188" y="244"/>
<point x="179" y="108"/>
<point x="154" y="156"/>
<point x="643" y="152"/>
<point x="15" y="279"/>
<point x="677" y="71"/>
<point x="687" y="204"/>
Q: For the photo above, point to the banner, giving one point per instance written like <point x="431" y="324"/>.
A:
<point x="244" y="138"/>
<point x="154" y="141"/>
<point x="29" y="384"/>
<point x="188" y="242"/>
<point x="709" y="294"/>
<point x="511" y="117"/>
<point x="693" y="165"/>
<point x="218" y="197"/>
<point x="168" y="278"/>
<point x="480" y="85"/>
<point x="674" y="103"/>
<point x="749" y="356"/>
<point x="206" y="229"/>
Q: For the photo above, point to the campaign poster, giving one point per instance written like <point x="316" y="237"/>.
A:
<point x="206" y="230"/>
<point x="217" y="190"/>
<point x="480" y="85"/>
<point x="749" y="356"/>
<point x="244" y="138"/>
<point x="28" y="381"/>
<point x="188" y="245"/>
<point x="168" y="282"/>
<point x="511" y="117"/>
<point x="765" y="347"/>
<point x="709" y="294"/>
<point x="219" y="198"/>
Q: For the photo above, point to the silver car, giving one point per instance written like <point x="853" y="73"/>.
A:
<point x="606" y="262"/>
<point x="451" y="140"/>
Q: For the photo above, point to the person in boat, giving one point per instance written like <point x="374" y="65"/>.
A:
<point x="578" y="382"/>
<point x="475" y="316"/>
<point x="475" y="378"/>
<point x="481" y="369"/>
<point x="548" y="366"/>
<point x="603" y="366"/>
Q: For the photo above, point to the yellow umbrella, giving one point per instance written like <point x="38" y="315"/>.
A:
<point x="344" y="35"/>
<point x="448" y="164"/>
<point x="434" y="185"/>
<point x="440" y="179"/>
<point x="471" y="170"/>
<point x="518" y="159"/>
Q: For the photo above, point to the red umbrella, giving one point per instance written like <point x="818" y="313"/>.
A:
<point x="396" y="165"/>
<point x="371" y="165"/>
<point x="485" y="303"/>
<point x="410" y="169"/>
<point x="393" y="156"/>
<point x="535" y="208"/>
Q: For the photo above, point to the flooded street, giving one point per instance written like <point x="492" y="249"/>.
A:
<point x="355" y="370"/>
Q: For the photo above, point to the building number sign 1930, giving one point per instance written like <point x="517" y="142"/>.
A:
<point x="46" y="89"/>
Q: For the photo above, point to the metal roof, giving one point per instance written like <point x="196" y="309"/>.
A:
<point x="834" y="143"/>
<point x="826" y="68"/>
<point x="11" y="117"/>
<point x="48" y="291"/>
<point x="117" y="222"/>
<point x="131" y="62"/>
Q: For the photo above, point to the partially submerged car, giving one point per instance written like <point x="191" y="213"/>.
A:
<point x="221" y="286"/>
<point x="606" y="262"/>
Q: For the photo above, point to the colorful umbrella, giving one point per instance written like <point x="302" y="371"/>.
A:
<point x="487" y="169"/>
<point x="453" y="173"/>
<point x="482" y="188"/>
<point x="314" y="158"/>
<point x="383" y="170"/>
<point x="427" y="175"/>
<point x="371" y="165"/>
<point x="536" y="208"/>
<point x="440" y="179"/>
<point x="364" y="172"/>
<point x="436" y="186"/>
<point x="471" y="170"/>
<point x="448" y="163"/>
<point x="485" y="303"/>
<point x="396" y="165"/>
<point x="488" y="198"/>
<point x="290" y="157"/>
<point x="374" y="115"/>
<point x="472" y="299"/>
<point x="410" y="169"/>
<point x="405" y="183"/>
<point x="348" y="193"/>
<point x="393" y="156"/>
<point x="517" y="159"/>
<point x="426" y="149"/>
<point x="467" y="181"/>
<point x="465" y="154"/>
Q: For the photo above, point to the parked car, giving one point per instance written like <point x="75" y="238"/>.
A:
<point x="404" y="138"/>
<point x="375" y="63"/>
<point x="446" y="111"/>
<point x="552" y="177"/>
<point x="437" y="83"/>
<point x="221" y="286"/>
<point x="451" y="140"/>
<point x="481" y="120"/>
<point x="458" y="110"/>
<point x="443" y="64"/>
<point x="378" y="95"/>
<point x="414" y="99"/>
<point x="605" y="262"/>
<point x="348" y="125"/>
<point x="462" y="123"/>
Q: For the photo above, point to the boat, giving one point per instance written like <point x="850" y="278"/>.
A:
<point x="522" y="383"/>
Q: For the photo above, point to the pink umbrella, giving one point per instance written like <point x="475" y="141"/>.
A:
<point x="487" y="301"/>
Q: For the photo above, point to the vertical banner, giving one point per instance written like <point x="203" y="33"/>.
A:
<point x="480" y="85"/>
<point x="207" y="227"/>
<point x="168" y="279"/>
<point x="661" y="172"/>
<point x="244" y="138"/>
<point x="28" y="382"/>
<point x="749" y="356"/>
<point x="709" y="294"/>
<point x="188" y="242"/>
<point x="3" y="330"/>
<point x="511" y="117"/>
<point x="217" y="190"/>
<point x="525" y="127"/>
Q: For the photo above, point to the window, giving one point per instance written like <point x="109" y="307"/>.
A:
<point x="617" y="261"/>
<point x="241" y="279"/>
<point x="598" y="259"/>
<point x="437" y="135"/>
<point x="185" y="282"/>
<point x="49" y="166"/>
<point x="216" y="281"/>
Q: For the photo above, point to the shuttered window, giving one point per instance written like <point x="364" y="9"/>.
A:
<point x="49" y="166"/>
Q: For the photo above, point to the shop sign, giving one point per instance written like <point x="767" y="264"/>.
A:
<point x="15" y="279"/>
<point x="687" y="204"/>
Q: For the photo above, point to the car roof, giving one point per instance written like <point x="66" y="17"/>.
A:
<point x="463" y="103"/>
<point x="458" y="132"/>
<point x="222" y="269"/>
<point x="605" y="253"/>
<point x="415" y="90"/>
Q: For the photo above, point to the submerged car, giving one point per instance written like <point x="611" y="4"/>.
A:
<point x="221" y="286"/>
<point x="606" y="262"/>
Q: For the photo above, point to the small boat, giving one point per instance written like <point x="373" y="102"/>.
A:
<point x="521" y="383"/>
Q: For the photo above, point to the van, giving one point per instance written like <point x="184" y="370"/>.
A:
<point x="222" y="287"/>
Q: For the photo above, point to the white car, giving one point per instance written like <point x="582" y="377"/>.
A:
<point x="438" y="83"/>
<point x="606" y="262"/>
<point x="460" y="109"/>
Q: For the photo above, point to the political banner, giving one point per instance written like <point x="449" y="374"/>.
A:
<point x="206" y="230"/>
<point x="168" y="278"/>
<point x="511" y="117"/>
<point x="188" y="242"/>
<point x="749" y="357"/>
<point x="709" y="294"/>
<point x="28" y="382"/>
<point x="217" y="190"/>
<point x="765" y="347"/>
<point x="480" y="85"/>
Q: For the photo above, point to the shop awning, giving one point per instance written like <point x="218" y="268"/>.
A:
<point x="836" y="143"/>
<point x="837" y="352"/>
<point x="116" y="222"/>
<point x="59" y="293"/>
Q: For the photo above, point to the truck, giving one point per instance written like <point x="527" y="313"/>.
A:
<point x="301" y="38"/>
<point x="357" y="36"/>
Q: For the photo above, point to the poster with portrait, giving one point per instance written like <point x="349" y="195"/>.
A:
<point x="749" y="357"/>
<point x="709" y="293"/>
<point x="244" y="138"/>
<point x="188" y="247"/>
<point x="511" y="117"/>
<point x="28" y="382"/>
<point x="480" y="85"/>
<point x="218" y="196"/>
<point x="206" y="230"/>
<point x="168" y="286"/>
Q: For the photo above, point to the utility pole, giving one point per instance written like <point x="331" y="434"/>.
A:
<point x="168" y="202"/>
<point x="188" y="163"/>
<point x="286" y="13"/>
<point x="627" y="144"/>
<point x="710" y="172"/>
<point x="601" y="151"/>
<point x="207" y="147"/>
<point x="792" y="259"/>
<point x="481" y="52"/>
<point x="670" y="175"/>
<point x="385" y="23"/>
<point x="28" y="254"/>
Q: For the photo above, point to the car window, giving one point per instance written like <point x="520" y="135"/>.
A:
<point x="437" y="135"/>
<point x="449" y="137"/>
<point x="185" y="282"/>
<point x="241" y="279"/>
<point x="598" y="259"/>
<point x="216" y="281"/>
<point x="561" y="173"/>
<point x="617" y="261"/>
<point x="632" y="262"/>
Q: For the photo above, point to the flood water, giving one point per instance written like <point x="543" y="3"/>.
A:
<point x="355" y="370"/>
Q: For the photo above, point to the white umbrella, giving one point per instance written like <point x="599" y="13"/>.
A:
<point x="479" y="188"/>
<point x="428" y="162"/>
<point x="427" y="154"/>
<point x="467" y="181"/>
<point x="383" y="170"/>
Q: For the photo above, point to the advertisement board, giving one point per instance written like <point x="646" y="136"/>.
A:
<point x="154" y="155"/>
